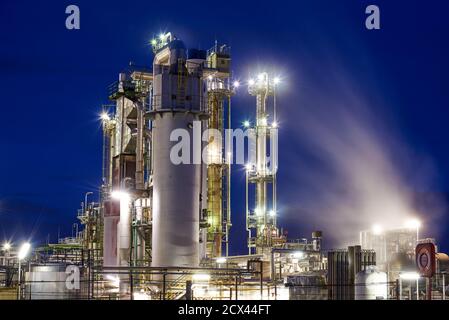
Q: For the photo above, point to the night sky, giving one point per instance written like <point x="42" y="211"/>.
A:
<point x="394" y="81"/>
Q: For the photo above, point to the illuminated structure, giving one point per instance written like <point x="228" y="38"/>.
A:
<point x="261" y="225"/>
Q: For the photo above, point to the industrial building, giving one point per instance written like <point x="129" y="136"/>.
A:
<point x="160" y="228"/>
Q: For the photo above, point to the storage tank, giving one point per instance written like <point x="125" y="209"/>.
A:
<point x="371" y="284"/>
<point x="48" y="282"/>
<point x="176" y="186"/>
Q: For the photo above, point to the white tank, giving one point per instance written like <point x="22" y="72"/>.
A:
<point x="371" y="284"/>
<point x="176" y="187"/>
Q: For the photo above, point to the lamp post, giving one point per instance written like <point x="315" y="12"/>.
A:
<point x="23" y="252"/>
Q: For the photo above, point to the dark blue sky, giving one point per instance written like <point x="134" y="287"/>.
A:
<point x="54" y="81"/>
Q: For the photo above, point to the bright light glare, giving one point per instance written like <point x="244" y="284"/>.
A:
<point x="251" y="82"/>
<point x="221" y="260"/>
<point x="258" y="212"/>
<point x="6" y="246"/>
<point x="236" y="84"/>
<point x="141" y="295"/>
<point x="261" y="76"/>
<point x="201" y="277"/>
<point x="274" y="124"/>
<point x="210" y="77"/>
<point x="272" y="213"/>
<point x="249" y="167"/>
<point x="246" y="124"/>
<point x="377" y="229"/>
<point x="413" y="224"/>
<point x="153" y="42"/>
<point x="105" y="117"/>
<point x="263" y="121"/>
<point x="114" y="280"/>
<point x="120" y="195"/>
<point x="276" y="80"/>
<point x="298" y="254"/>
<point x="162" y="36"/>
<point x="24" y="249"/>
<point x="409" y="276"/>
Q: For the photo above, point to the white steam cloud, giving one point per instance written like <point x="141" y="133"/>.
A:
<point x="353" y="170"/>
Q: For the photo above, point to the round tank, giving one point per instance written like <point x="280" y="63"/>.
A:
<point x="49" y="282"/>
<point x="371" y="284"/>
<point x="176" y="190"/>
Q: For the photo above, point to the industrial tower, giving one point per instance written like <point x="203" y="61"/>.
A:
<point x="261" y="224"/>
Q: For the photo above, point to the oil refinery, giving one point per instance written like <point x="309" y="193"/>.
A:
<point x="159" y="226"/>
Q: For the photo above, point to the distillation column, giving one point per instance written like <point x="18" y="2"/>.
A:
<point x="219" y="160"/>
<point x="263" y="233"/>
<point x="176" y="186"/>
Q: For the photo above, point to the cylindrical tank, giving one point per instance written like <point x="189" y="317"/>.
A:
<point x="50" y="282"/>
<point x="176" y="186"/>
<point x="371" y="284"/>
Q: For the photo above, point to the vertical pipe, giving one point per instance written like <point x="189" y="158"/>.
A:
<point x="444" y="286"/>
<point x="400" y="289"/>
<point x="417" y="289"/>
<point x="229" y="155"/>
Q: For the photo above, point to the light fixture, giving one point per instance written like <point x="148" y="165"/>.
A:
<point x="120" y="195"/>
<point x="298" y="254"/>
<point x="201" y="277"/>
<point x="377" y="229"/>
<point x="409" y="276"/>
<point x="272" y="213"/>
<point x="251" y="82"/>
<point x="236" y="84"/>
<point x="154" y="42"/>
<point x="210" y="77"/>
<point x="246" y="124"/>
<point x="221" y="260"/>
<point x="162" y="36"/>
<point x="23" y="251"/>
<point x="113" y="280"/>
<point x="274" y="125"/>
<point x="105" y="117"/>
<point x="261" y="76"/>
<point x="276" y="80"/>
<point x="249" y="167"/>
<point x="413" y="224"/>
<point x="6" y="246"/>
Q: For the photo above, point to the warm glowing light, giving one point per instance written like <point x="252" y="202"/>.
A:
<point x="274" y="125"/>
<point x="263" y="121"/>
<point x="272" y="213"/>
<point x="377" y="229"/>
<point x="246" y="124"/>
<point x="221" y="260"/>
<point x="236" y="84"/>
<point x="113" y="280"/>
<point x="23" y="251"/>
<point x="298" y="254"/>
<point x="413" y="224"/>
<point x="162" y="36"/>
<point x="249" y="167"/>
<point x="210" y="77"/>
<point x="200" y="277"/>
<point x="141" y="295"/>
<point x="6" y="246"/>
<point x="120" y="195"/>
<point x="105" y="117"/>
<point x="153" y="42"/>
<point x="276" y="80"/>
<point x="261" y="76"/>
<point x="258" y="212"/>
<point x="409" y="276"/>
<point x="251" y="82"/>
